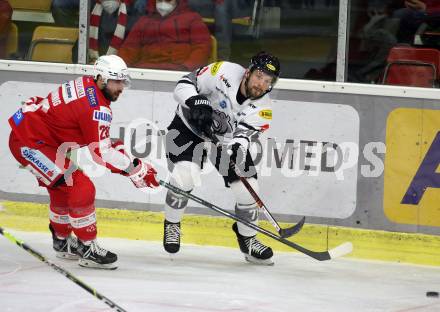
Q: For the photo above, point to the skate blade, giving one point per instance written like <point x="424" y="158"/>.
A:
<point x="67" y="256"/>
<point x="254" y="260"/>
<point x="91" y="264"/>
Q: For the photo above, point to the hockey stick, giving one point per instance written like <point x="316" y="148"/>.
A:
<point x="59" y="269"/>
<point x="284" y="233"/>
<point x="336" y="252"/>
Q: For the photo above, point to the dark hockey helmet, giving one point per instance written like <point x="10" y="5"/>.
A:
<point x="267" y="63"/>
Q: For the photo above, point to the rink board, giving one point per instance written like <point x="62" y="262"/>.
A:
<point x="307" y="157"/>
<point x="216" y="231"/>
<point x="388" y="164"/>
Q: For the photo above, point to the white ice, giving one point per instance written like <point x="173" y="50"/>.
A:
<point x="202" y="278"/>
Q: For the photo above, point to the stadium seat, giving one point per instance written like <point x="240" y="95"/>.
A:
<point x="410" y="66"/>
<point x="213" y="56"/>
<point x="12" y="42"/>
<point x="52" y="44"/>
<point x="34" y="5"/>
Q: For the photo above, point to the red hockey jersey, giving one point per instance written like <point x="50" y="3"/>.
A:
<point x="76" y="113"/>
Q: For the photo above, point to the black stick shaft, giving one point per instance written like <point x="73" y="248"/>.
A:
<point x="318" y="255"/>
<point x="255" y="196"/>
<point x="260" y="203"/>
<point x="59" y="269"/>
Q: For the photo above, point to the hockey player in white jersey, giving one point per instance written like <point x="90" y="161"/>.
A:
<point x="231" y="104"/>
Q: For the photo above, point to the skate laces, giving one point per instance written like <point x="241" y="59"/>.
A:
<point x="94" y="248"/>
<point x="72" y="242"/>
<point x="97" y="249"/>
<point x="254" y="245"/>
<point x="172" y="233"/>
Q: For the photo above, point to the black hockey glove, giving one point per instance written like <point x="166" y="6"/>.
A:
<point x="200" y="114"/>
<point x="237" y="154"/>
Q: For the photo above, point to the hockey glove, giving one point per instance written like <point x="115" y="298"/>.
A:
<point x="142" y="174"/>
<point x="200" y="114"/>
<point x="237" y="154"/>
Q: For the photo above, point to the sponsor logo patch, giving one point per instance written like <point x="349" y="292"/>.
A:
<point x="225" y="81"/>
<point x="223" y="104"/>
<point x="265" y="113"/>
<point x="18" y="117"/>
<point x="91" y="96"/>
<point x="80" y="87"/>
<point x="215" y="67"/>
<point x="55" y="97"/>
<point x="40" y="161"/>
<point x="68" y="91"/>
<point x="271" y="67"/>
<point x="102" y="116"/>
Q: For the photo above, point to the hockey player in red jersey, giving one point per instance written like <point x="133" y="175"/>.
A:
<point x="44" y="130"/>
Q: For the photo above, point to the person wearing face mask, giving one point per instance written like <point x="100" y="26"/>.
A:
<point x="66" y="12"/>
<point x="170" y="37"/>
<point x="110" y="22"/>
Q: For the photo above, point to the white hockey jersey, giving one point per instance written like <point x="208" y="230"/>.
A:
<point x="232" y="121"/>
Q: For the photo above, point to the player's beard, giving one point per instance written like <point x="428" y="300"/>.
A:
<point x="253" y="93"/>
<point x="109" y="95"/>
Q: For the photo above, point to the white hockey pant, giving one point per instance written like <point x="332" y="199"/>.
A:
<point x="246" y="207"/>
<point x="185" y="176"/>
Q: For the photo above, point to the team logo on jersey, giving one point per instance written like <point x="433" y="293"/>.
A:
<point x="215" y="67"/>
<point x="223" y="104"/>
<point x="265" y="113"/>
<point x="102" y="116"/>
<point x="91" y="96"/>
<point x="18" y="117"/>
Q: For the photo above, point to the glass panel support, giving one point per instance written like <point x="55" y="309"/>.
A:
<point x="343" y="29"/>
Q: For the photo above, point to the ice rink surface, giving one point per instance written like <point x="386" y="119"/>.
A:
<point x="202" y="278"/>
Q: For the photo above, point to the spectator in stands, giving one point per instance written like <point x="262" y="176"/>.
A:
<point x="5" y="24"/>
<point x="412" y="15"/>
<point x="170" y="37"/>
<point x="66" y="12"/>
<point x="110" y="23"/>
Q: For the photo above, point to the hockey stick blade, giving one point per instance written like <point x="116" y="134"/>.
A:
<point x="338" y="251"/>
<point x="61" y="270"/>
<point x="341" y="250"/>
<point x="285" y="233"/>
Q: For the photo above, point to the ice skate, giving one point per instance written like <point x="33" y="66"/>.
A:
<point x="66" y="248"/>
<point x="93" y="256"/>
<point x="254" y="251"/>
<point x="171" y="236"/>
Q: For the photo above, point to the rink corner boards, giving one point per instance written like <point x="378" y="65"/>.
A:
<point x="216" y="231"/>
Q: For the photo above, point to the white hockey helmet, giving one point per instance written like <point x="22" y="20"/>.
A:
<point x="111" y="67"/>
